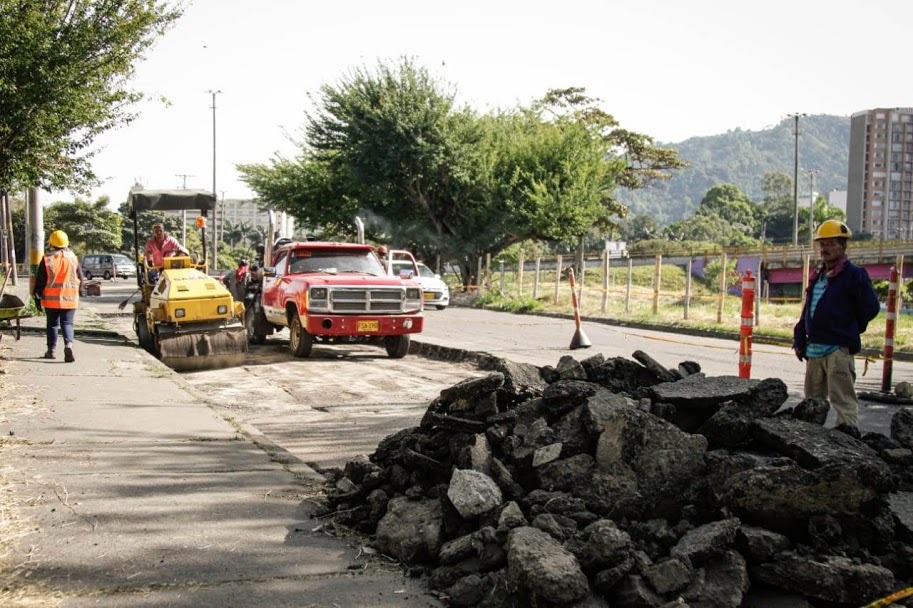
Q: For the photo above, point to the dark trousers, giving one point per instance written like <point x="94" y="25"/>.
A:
<point x="64" y="318"/>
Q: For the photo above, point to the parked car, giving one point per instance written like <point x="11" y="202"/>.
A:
<point x="108" y="266"/>
<point x="435" y="291"/>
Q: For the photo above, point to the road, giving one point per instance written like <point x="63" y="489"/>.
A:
<point x="344" y="399"/>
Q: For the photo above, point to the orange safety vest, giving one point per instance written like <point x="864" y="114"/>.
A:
<point x="62" y="289"/>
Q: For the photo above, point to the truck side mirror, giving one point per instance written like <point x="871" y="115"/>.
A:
<point x="269" y="271"/>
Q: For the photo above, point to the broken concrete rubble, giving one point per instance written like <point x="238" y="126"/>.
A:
<point x="625" y="483"/>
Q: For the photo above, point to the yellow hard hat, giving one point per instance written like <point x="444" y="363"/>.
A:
<point x="832" y="229"/>
<point x="59" y="238"/>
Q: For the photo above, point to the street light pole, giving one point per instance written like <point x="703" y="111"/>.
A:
<point x="796" y="181"/>
<point x="215" y="214"/>
<point x="811" y="207"/>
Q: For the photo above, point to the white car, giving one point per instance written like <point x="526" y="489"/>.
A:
<point x="435" y="291"/>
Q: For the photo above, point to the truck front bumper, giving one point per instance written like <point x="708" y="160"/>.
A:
<point x="363" y="325"/>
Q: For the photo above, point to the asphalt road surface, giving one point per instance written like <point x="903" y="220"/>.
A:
<point x="342" y="400"/>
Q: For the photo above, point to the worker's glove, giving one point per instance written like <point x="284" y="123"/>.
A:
<point x="800" y="353"/>
<point x="37" y="300"/>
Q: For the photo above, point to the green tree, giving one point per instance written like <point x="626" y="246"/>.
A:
<point x="638" y="228"/>
<point x="729" y="203"/>
<point x="64" y="72"/>
<point x="776" y="187"/>
<point x="393" y="147"/>
<point x="709" y="228"/>
<point x="91" y="227"/>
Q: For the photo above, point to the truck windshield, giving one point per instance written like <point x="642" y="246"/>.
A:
<point x="335" y="262"/>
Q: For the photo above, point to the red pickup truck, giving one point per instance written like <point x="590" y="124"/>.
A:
<point x="336" y="292"/>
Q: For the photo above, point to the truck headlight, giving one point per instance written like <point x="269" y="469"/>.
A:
<point x="222" y="309"/>
<point x="413" y="293"/>
<point x="179" y="313"/>
<point x="318" y="293"/>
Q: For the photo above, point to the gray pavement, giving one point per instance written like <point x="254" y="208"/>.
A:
<point x="124" y="488"/>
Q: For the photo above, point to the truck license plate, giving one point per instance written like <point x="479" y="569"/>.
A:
<point x="368" y="325"/>
<point x="429" y="295"/>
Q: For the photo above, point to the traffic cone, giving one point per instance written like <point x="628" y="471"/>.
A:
<point x="579" y="340"/>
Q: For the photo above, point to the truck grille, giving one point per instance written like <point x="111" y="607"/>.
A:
<point x="376" y="300"/>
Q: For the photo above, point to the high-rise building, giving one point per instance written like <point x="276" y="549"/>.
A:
<point x="247" y="212"/>
<point x="880" y="178"/>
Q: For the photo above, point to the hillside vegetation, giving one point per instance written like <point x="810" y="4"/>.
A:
<point x="742" y="158"/>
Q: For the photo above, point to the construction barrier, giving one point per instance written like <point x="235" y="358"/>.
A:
<point x="747" y="327"/>
<point x="891" y="318"/>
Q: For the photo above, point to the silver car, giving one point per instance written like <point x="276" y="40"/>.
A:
<point x="108" y="266"/>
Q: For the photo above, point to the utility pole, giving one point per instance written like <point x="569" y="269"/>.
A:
<point x="215" y="211"/>
<point x="796" y="181"/>
<point x="222" y="222"/>
<point x="811" y="207"/>
<point x="184" y="211"/>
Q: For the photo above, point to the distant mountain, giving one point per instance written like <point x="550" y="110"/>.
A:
<point x="742" y="158"/>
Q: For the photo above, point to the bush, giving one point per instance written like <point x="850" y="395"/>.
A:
<point x="905" y="291"/>
<point x="495" y="301"/>
<point x="712" y="273"/>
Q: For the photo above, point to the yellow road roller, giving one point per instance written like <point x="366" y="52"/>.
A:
<point x="185" y="317"/>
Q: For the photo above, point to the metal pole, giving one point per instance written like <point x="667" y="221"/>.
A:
<point x="796" y="181"/>
<point x="795" y="185"/>
<point x="215" y="232"/>
<point x="811" y="208"/>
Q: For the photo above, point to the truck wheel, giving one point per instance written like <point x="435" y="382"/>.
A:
<point x="88" y="275"/>
<point x="300" y="340"/>
<point x="254" y="322"/>
<point x="397" y="346"/>
<point x="107" y="275"/>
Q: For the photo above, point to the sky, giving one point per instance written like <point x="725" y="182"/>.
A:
<point x="671" y="69"/>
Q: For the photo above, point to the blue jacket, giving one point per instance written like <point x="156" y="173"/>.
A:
<point x="843" y="312"/>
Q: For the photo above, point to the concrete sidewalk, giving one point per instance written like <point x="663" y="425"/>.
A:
<point x="121" y="487"/>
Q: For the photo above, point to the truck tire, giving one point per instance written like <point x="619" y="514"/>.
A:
<point x="397" y="346"/>
<point x="88" y="275"/>
<point x="299" y="339"/>
<point x="107" y="275"/>
<point x="254" y="321"/>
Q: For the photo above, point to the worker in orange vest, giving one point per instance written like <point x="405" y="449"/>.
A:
<point x="57" y="289"/>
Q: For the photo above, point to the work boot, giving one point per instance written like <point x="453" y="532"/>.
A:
<point x="49" y="354"/>
<point x="68" y="354"/>
<point x="849" y="429"/>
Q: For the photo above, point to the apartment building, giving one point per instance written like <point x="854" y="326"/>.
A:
<point x="880" y="175"/>
<point x="246" y="211"/>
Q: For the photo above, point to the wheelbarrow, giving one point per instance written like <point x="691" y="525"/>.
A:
<point x="12" y="307"/>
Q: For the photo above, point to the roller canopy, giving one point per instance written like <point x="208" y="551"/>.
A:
<point x="170" y="200"/>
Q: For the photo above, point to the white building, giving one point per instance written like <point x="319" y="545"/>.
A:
<point x="246" y="211"/>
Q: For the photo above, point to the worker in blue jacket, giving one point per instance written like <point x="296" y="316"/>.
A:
<point x="839" y="303"/>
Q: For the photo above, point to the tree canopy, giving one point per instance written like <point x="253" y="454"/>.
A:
<point x="91" y="227"/>
<point x="64" y="72"/>
<point x="391" y="146"/>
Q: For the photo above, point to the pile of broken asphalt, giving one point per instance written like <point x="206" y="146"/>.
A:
<point x="119" y="486"/>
